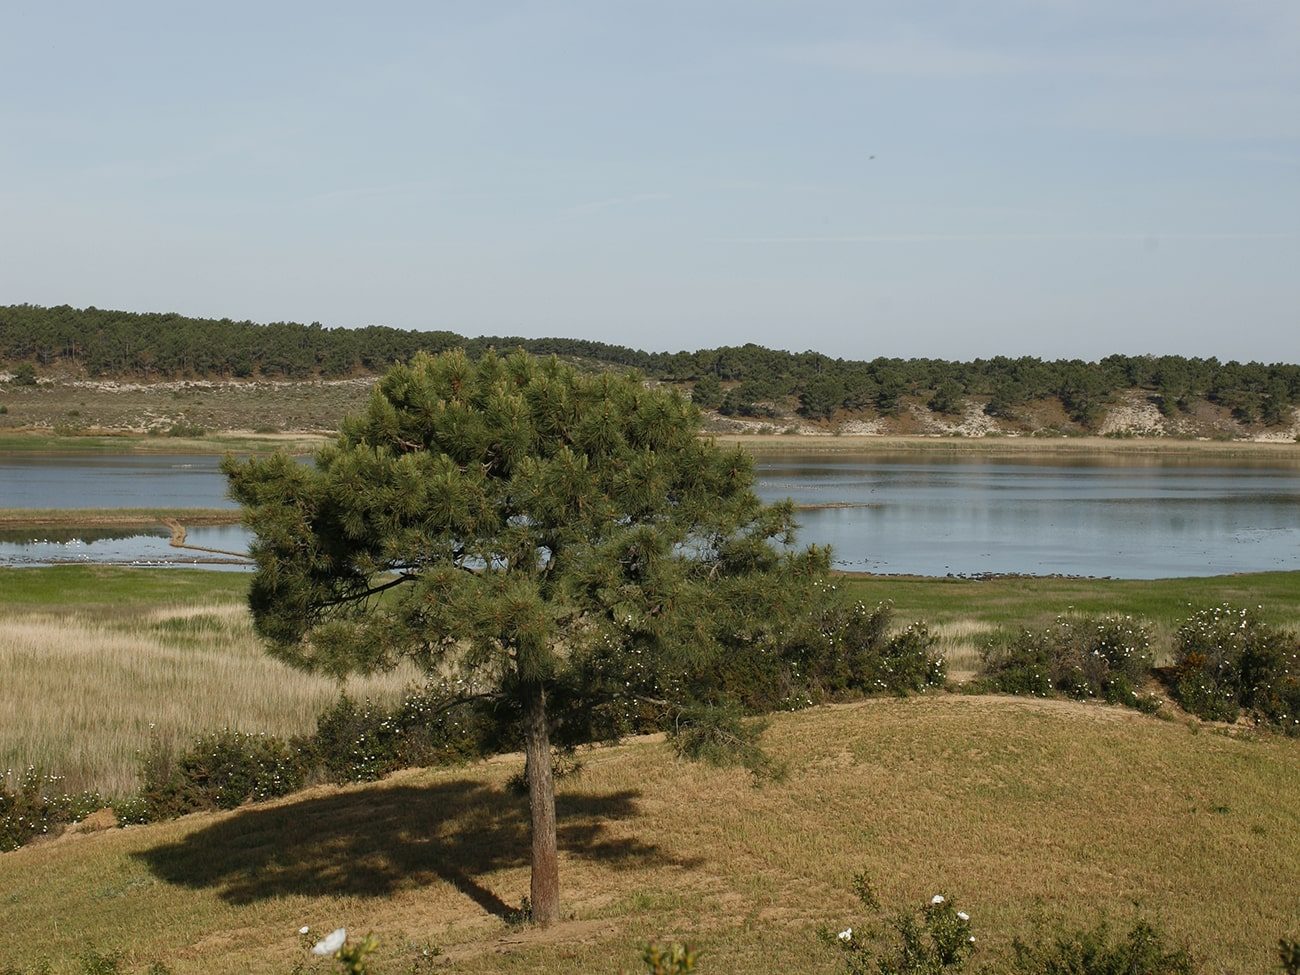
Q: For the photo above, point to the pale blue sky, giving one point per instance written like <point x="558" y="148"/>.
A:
<point x="1052" y="178"/>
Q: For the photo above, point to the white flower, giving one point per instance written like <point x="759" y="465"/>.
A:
<point x="937" y="899"/>
<point x="331" y="943"/>
<point x="971" y="939"/>
<point x="963" y="915"/>
<point x="845" y="935"/>
<point x="304" y="929"/>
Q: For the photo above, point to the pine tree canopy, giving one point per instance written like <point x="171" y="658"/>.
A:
<point x="500" y="516"/>
<point x="558" y="538"/>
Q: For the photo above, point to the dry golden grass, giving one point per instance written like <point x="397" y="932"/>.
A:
<point x="86" y="690"/>
<point x="1018" y="808"/>
<point x="961" y="642"/>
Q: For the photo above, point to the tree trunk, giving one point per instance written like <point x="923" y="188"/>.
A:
<point x="545" y="895"/>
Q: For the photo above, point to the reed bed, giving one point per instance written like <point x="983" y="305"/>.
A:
<point x="86" y="691"/>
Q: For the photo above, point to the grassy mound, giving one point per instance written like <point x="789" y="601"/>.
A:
<point x="1021" y="808"/>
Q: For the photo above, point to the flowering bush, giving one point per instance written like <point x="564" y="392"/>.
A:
<point x="1228" y="660"/>
<point x="356" y="742"/>
<point x="934" y="940"/>
<point x="432" y="725"/>
<point x="220" y="770"/>
<point x="33" y="804"/>
<point x="847" y="647"/>
<point x="1107" y="657"/>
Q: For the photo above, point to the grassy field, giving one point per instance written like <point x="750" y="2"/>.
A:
<point x="95" y="659"/>
<point x="1020" y="809"/>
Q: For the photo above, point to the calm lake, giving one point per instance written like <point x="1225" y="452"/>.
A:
<point x="1136" y="518"/>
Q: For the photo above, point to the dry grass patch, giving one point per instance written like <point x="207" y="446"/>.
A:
<point x="961" y="642"/>
<point x="1019" y="808"/>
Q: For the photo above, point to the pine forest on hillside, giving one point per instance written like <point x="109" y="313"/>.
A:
<point x="736" y="380"/>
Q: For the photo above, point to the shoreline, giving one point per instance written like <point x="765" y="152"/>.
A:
<point x="124" y="518"/>
<point x="758" y="443"/>
<point x="306" y="441"/>
<point x="43" y="441"/>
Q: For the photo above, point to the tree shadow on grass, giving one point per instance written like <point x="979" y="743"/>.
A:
<point x="375" y="842"/>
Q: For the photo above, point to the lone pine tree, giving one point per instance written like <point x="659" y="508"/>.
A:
<point x="508" y="520"/>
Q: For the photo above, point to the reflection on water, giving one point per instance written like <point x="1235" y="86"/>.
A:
<point x="1130" y="517"/>
<point x="73" y="536"/>
<point x="50" y="547"/>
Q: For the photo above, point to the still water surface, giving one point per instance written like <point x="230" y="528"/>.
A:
<point x="1098" y="517"/>
<point x="1127" y="518"/>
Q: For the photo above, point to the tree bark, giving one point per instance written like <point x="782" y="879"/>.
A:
<point x="545" y="894"/>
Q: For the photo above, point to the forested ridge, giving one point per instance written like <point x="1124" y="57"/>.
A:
<point x="741" y="380"/>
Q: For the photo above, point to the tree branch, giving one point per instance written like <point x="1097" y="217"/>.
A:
<point x="373" y="591"/>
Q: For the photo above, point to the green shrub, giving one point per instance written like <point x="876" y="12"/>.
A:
<point x="433" y="725"/>
<point x="670" y="959"/>
<point x="24" y="374"/>
<point x="1228" y="660"/>
<point x="1107" y="657"/>
<point x="846" y="647"/>
<point x="131" y="810"/>
<point x="937" y="940"/>
<point x="355" y="742"/>
<point x="33" y="804"/>
<point x="721" y="735"/>
<point x="1144" y="950"/>
<point x="1288" y="953"/>
<point x="220" y="770"/>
